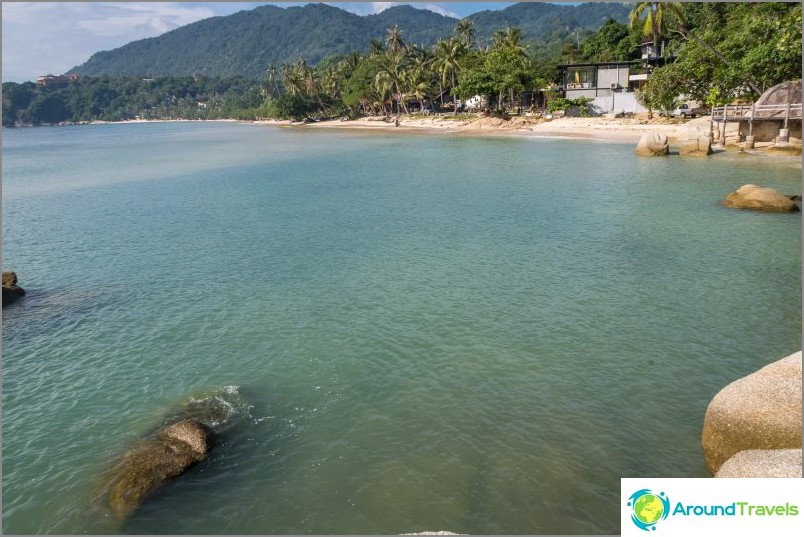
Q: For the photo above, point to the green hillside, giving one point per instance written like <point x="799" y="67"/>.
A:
<point x="245" y="43"/>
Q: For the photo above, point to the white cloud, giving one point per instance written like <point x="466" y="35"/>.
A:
<point x="52" y="37"/>
<point x="379" y="7"/>
<point x="435" y="8"/>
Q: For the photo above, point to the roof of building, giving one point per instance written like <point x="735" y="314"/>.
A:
<point x="600" y="64"/>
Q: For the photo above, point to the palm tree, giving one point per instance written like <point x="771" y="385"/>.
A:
<point x="391" y="74"/>
<point x="448" y="55"/>
<point x="376" y="47"/>
<point x="416" y="83"/>
<point x="330" y="82"/>
<point x="289" y="79"/>
<point x="509" y="38"/>
<point x="466" y="32"/>
<point x="663" y="18"/>
<point x="348" y="64"/>
<point x="394" y="39"/>
<point x="270" y="88"/>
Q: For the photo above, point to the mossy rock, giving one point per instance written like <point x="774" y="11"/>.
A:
<point x="153" y="462"/>
<point x="789" y="150"/>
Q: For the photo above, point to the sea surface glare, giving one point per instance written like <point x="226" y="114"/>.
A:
<point x="428" y="332"/>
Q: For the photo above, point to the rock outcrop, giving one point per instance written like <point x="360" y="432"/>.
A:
<point x="152" y="462"/>
<point x="653" y="144"/>
<point x="11" y="291"/>
<point x="760" y="199"/>
<point x="763" y="463"/>
<point x="759" y="412"/>
<point x="696" y="146"/>
<point x="790" y="150"/>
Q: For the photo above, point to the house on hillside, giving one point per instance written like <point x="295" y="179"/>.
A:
<point x="50" y="80"/>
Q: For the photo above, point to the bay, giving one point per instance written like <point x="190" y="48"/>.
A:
<point x="480" y="335"/>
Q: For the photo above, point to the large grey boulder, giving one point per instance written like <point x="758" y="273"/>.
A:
<point x="653" y="144"/>
<point x="152" y="462"/>
<point x="760" y="411"/>
<point x="11" y="291"/>
<point x="763" y="463"/>
<point x="760" y="199"/>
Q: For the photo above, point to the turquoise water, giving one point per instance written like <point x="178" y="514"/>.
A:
<point x="481" y="335"/>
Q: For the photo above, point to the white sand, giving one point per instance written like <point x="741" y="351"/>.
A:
<point x="596" y="128"/>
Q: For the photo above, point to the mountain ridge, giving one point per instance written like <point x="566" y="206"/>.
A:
<point x="246" y="42"/>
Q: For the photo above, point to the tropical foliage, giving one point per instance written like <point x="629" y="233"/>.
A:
<point x="722" y="51"/>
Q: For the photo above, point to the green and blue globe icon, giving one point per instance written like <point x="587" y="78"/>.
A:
<point x="648" y="508"/>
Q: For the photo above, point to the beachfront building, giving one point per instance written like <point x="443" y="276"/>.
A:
<point x="611" y="85"/>
<point x="608" y="84"/>
<point x="51" y="80"/>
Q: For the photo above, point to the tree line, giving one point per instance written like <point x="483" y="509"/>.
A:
<point x="720" y="52"/>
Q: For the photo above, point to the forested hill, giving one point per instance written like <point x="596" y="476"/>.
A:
<point x="245" y="43"/>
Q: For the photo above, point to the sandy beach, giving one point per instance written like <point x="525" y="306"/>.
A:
<point x="593" y="128"/>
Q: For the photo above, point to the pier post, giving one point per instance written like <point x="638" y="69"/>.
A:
<point x="723" y="132"/>
<point x="749" y="142"/>
<point x="712" y="126"/>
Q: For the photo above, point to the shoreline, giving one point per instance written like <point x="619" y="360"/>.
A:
<point x="583" y="128"/>
<point x="599" y="128"/>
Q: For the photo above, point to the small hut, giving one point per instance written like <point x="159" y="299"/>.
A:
<point x="778" y="108"/>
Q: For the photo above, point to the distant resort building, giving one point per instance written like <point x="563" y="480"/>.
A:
<point x="50" y="80"/>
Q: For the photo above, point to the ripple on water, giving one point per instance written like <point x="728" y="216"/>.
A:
<point x="482" y="335"/>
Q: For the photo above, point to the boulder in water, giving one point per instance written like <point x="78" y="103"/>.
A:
<point x="153" y="462"/>
<point x="653" y="144"/>
<point x="695" y="146"/>
<point x="761" y="411"/>
<point x="760" y="199"/>
<point x="11" y="291"/>
<point x="763" y="463"/>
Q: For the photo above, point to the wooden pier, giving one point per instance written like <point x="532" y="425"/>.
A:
<point x="750" y="113"/>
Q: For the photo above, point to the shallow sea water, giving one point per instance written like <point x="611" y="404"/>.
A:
<point x="428" y="332"/>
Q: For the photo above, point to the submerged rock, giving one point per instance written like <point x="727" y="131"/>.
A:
<point x="759" y="412"/>
<point x="151" y="463"/>
<point x="184" y="439"/>
<point x="763" y="463"/>
<point x="11" y="291"/>
<point x="760" y="199"/>
<point x="653" y="144"/>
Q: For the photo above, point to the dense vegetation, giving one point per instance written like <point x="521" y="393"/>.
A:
<point x="720" y="52"/>
<point x="245" y="43"/>
<point x="120" y="98"/>
<point x="723" y="51"/>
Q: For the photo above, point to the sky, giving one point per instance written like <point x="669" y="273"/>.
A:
<point x="52" y="37"/>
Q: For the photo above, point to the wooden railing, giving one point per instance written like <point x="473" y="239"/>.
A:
<point x="751" y="113"/>
<point x="748" y="112"/>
